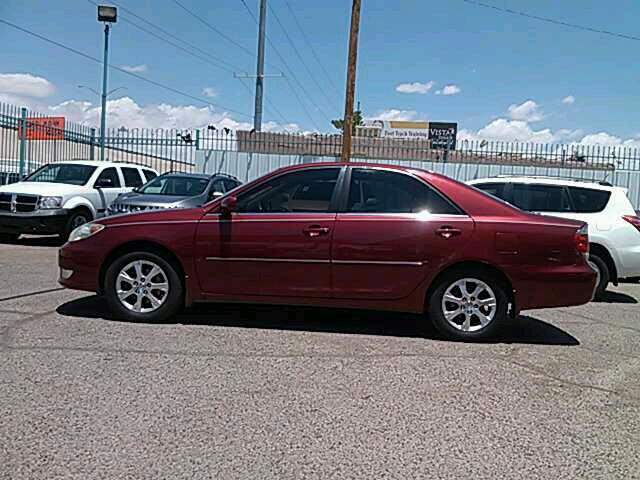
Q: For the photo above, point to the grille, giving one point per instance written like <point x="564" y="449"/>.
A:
<point x="116" y="208"/>
<point x="23" y="203"/>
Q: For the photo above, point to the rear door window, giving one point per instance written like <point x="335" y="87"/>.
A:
<point x="131" y="177"/>
<point x="494" y="189"/>
<point x="540" y="198"/>
<point x="149" y="175"/>
<point x="588" y="200"/>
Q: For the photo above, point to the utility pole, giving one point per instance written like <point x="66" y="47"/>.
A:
<point x="103" y="108"/>
<point x="347" y="127"/>
<point x="257" y="119"/>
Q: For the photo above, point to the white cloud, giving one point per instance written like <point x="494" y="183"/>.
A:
<point x="395" y="114"/>
<point x="209" y="92"/>
<point x="415" y="87"/>
<point x="601" y="138"/>
<point x="25" y="84"/>
<point x="134" y="68"/>
<point x="568" y="100"/>
<point x="449" y="90"/>
<point x="528" y="111"/>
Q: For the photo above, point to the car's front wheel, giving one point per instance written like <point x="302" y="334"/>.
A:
<point x="468" y="305"/>
<point x="143" y="287"/>
<point x="77" y="218"/>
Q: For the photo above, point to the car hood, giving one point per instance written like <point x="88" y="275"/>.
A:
<point x="154" y="216"/>
<point x="145" y="199"/>
<point x="43" y="188"/>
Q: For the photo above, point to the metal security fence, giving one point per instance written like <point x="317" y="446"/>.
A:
<point x="29" y="140"/>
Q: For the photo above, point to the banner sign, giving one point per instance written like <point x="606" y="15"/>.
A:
<point x="44" y="128"/>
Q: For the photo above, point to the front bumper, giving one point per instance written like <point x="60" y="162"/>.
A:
<point x="79" y="267"/>
<point x="39" y="222"/>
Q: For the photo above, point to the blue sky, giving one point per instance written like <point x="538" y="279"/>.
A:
<point x="495" y="60"/>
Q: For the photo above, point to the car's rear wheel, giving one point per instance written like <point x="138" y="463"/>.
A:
<point x="468" y="305"/>
<point x="143" y="287"/>
<point x="602" y="272"/>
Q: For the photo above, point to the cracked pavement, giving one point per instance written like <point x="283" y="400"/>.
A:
<point x="259" y="392"/>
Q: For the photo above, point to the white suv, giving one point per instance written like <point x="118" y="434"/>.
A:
<point x="61" y="196"/>
<point x="614" y="227"/>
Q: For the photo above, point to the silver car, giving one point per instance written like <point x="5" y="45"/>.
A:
<point x="174" y="190"/>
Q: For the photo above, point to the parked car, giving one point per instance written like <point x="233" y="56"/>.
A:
<point x="614" y="225"/>
<point x="174" y="190"/>
<point x="343" y="235"/>
<point x="59" y="197"/>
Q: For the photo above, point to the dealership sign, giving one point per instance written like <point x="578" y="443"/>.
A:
<point x="44" y="128"/>
<point x="441" y="134"/>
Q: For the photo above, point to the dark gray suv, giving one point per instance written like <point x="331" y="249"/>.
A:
<point x="173" y="190"/>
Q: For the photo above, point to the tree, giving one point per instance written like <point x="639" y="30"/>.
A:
<point x="358" y="121"/>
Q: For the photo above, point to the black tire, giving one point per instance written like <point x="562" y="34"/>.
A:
<point x="477" y="331"/>
<point x="77" y="218"/>
<point x="9" y="237"/>
<point x="171" y="304"/>
<point x="603" y="272"/>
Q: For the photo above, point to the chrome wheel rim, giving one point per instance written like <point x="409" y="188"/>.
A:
<point x="469" y="305"/>
<point x="598" y="274"/>
<point x="142" y="286"/>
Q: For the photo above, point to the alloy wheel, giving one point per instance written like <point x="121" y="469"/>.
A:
<point x="142" y="286"/>
<point x="469" y="305"/>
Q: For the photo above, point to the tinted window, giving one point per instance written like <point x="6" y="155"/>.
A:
<point x="540" y="198"/>
<point x="149" y="175"/>
<point x="306" y="191"/>
<point x="178" y="185"/>
<point x="131" y="177"/>
<point x="587" y="200"/>
<point x="72" y="174"/>
<point x="230" y="184"/>
<point x="109" y="174"/>
<point x="379" y="191"/>
<point x="493" y="189"/>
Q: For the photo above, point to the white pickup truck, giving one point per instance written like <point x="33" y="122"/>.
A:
<point x="61" y="196"/>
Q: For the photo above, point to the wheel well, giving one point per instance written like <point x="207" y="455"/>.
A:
<point x="498" y="274"/>
<point x="602" y="252"/>
<point x="142" y="246"/>
<point x="84" y="209"/>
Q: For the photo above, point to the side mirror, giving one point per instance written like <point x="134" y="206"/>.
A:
<point x="229" y="204"/>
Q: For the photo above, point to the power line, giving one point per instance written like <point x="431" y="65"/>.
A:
<point x="553" y="21"/>
<point x="169" y="34"/>
<point x="304" y="90"/>
<point x="313" y="51"/>
<point x="297" y="52"/>
<point x="122" y="70"/>
<point x="211" y="27"/>
<point x="269" y="102"/>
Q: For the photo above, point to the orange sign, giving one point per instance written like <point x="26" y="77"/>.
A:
<point x="44" y="128"/>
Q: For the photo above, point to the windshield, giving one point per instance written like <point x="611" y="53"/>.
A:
<point x="179" y="186"/>
<point x="68" y="173"/>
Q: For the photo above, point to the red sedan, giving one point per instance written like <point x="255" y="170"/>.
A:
<point x="345" y="235"/>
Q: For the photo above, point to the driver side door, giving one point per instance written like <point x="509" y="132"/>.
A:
<point x="277" y="243"/>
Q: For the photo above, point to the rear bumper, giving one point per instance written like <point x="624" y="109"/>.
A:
<point x="563" y="286"/>
<point x="41" y="222"/>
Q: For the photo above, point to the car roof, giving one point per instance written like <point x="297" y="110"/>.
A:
<point x="102" y="163"/>
<point x="198" y="175"/>
<point x="545" y="181"/>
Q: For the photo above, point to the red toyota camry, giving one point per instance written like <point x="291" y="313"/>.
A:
<point x="355" y="235"/>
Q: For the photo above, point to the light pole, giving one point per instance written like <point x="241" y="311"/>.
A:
<point x="106" y="14"/>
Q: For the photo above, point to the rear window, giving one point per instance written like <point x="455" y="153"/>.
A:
<point x="587" y="200"/>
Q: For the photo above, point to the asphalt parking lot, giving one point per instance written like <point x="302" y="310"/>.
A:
<point x="257" y="392"/>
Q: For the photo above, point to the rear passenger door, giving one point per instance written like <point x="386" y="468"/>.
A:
<point x="392" y="232"/>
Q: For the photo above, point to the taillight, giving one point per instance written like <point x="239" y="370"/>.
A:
<point x="633" y="220"/>
<point x="581" y="239"/>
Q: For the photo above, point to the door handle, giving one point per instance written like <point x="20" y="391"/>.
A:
<point x="446" y="231"/>
<point x="316" y="231"/>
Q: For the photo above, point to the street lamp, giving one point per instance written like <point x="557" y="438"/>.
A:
<point x="106" y="14"/>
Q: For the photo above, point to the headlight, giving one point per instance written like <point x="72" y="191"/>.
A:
<point x="50" y="202"/>
<point x="85" y="231"/>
